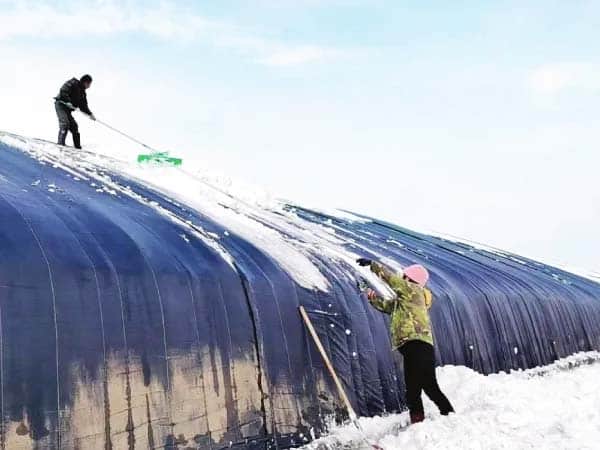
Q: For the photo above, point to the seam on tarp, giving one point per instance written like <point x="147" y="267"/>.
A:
<point x="181" y="264"/>
<point x="164" y="329"/>
<point x="231" y="363"/>
<point x="108" y="442"/>
<point x="130" y="427"/>
<point x="328" y="345"/>
<point x="314" y="392"/>
<point x="283" y="334"/>
<point x="107" y="436"/>
<point x="202" y="383"/>
<point x="162" y="317"/>
<point x="261" y="374"/>
<point x="51" y="281"/>
<point x="278" y="309"/>
<point x="355" y="384"/>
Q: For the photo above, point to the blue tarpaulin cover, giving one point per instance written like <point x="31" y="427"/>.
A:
<point x="120" y="328"/>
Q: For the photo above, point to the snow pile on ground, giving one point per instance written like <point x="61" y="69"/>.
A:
<point x="557" y="406"/>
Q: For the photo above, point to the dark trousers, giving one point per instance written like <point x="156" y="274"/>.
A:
<point x="419" y="375"/>
<point x="66" y="123"/>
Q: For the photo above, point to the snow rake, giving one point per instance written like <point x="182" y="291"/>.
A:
<point x="351" y="413"/>
<point x="159" y="158"/>
<point x="153" y="157"/>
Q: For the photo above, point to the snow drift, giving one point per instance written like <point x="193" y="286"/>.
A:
<point x="499" y="411"/>
<point x="153" y="307"/>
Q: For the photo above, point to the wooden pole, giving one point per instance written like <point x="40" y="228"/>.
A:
<point x="336" y="379"/>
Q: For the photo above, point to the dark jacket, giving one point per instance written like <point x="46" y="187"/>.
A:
<point x="73" y="92"/>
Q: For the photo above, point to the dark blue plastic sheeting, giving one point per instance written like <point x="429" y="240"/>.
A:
<point x="117" y="333"/>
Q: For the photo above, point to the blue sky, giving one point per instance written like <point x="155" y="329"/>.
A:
<point x="476" y="119"/>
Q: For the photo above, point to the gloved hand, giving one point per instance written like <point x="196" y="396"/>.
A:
<point x="371" y="294"/>
<point x="362" y="285"/>
<point x="93" y="117"/>
<point x="363" y="262"/>
<point x="364" y="288"/>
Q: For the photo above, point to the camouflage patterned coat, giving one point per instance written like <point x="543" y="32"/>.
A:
<point x="409" y="310"/>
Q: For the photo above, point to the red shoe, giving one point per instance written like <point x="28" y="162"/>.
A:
<point x="416" y="417"/>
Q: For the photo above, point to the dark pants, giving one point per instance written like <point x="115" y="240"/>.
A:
<point x="419" y="375"/>
<point x="66" y="123"/>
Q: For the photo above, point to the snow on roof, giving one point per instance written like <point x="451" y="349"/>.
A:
<point x="243" y="210"/>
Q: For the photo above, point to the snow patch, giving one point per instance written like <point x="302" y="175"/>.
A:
<point x="555" y="406"/>
<point x="246" y="212"/>
<point x="335" y="213"/>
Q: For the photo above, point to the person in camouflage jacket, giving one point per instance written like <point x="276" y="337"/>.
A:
<point x="411" y="333"/>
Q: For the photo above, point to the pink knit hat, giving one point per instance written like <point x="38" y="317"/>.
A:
<point x="417" y="273"/>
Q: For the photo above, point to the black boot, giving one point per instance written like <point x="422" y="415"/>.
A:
<point x="76" y="140"/>
<point x="62" y="136"/>
<point x="416" y="417"/>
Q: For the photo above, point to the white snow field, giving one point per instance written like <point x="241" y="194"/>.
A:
<point x="551" y="407"/>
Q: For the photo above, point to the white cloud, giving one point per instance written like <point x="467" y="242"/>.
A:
<point x="164" y="21"/>
<point x="299" y="55"/>
<point x="552" y="79"/>
<point x="102" y="18"/>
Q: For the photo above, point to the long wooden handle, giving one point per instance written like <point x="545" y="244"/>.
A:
<point x="336" y="379"/>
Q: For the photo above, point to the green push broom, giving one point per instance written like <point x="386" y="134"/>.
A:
<point x="159" y="158"/>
